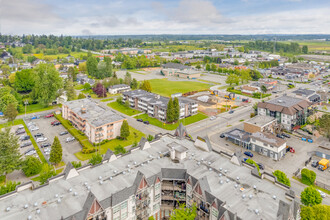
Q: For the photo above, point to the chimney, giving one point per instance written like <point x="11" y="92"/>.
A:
<point x="172" y="153"/>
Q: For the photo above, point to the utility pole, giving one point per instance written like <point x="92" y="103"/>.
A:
<point x="25" y="103"/>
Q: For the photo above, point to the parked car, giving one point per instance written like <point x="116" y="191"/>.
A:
<point x="64" y="133"/>
<point x="19" y="129"/>
<point x="280" y="136"/>
<point x="222" y="135"/>
<point x="31" y="123"/>
<point x="315" y="163"/>
<point x="146" y="122"/>
<point x="37" y="135"/>
<point x="49" y="115"/>
<point x="292" y="150"/>
<point x="322" y="193"/>
<point x="139" y="119"/>
<point x="25" y="144"/>
<point x="46" y="150"/>
<point x="22" y="131"/>
<point x="45" y="145"/>
<point x="41" y="139"/>
<point x="30" y="152"/>
<point x="24" y="137"/>
<point x="231" y="112"/>
<point x="34" y="128"/>
<point x="69" y="139"/>
<point x="35" y="117"/>
<point x="248" y="153"/>
<point x="261" y="166"/>
<point x="53" y="122"/>
<point x="286" y="135"/>
<point x="245" y="159"/>
<point x="212" y="118"/>
<point x="56" y="123"/>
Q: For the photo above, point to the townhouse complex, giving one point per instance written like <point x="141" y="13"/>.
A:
<point x="289" y="111"/>
<point x="97" y="122"/>
<point x="152" y="180"/>
<point x="156" y="106"/>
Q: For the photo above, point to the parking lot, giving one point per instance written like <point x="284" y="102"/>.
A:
<point x="49" y="131"/>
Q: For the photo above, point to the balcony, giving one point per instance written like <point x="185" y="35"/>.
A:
<point x="194" y="106"/>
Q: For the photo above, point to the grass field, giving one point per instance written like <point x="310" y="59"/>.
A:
<point x="123" y="109"/>
<point x="106" y="100"/>
<point x="165" y="87"/>
<point x="135" y="136"/>
<point x="185" y="121"/>
<point x="79" y="86"/>
<point x="36" y="108"/>
<point x="77" y="55"/>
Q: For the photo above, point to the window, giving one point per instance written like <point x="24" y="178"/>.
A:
<point x="124" y="215"/>
<point x="157" y="186"/>
<point x="155" y="207"/>
<point x="116" y="209"/>
<point x="265" y="144"/>
<point x="124" y="205"/>
<point x="157" y="197"/>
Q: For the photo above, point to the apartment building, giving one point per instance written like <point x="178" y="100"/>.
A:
<point x="97" y="122"/>
<point x="156" y="106"/>
<point x="289" y="111"/>
<point x="152" y="180"/>
<point x="115" y="89"/>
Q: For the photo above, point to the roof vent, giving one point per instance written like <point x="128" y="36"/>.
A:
<point x="193" y="154"/>
<point x="210" y="169"/>
<point x="83" y="109"/>
<point x="209" y="163"/>
<point x="110" y="178"/>
<point x="243" y="196"/>
<point x="280" y="101"/>
<point x="8" y="209"/>
<point x="124" y="172"/>
<point x="220" y="174"/>
<point x="202" y="159"/>
<point x="274" y="197"/>
<point x="150" y="156"/>
<point x="38" y="211"/>
<point x="70" y="190"/>
<point x="115" y="171"/>
<point x="221" y="182"/>
<point x="56" y="195"/>
<point x="142" y="164"/>
<point x="236" y="185"/>
<point x="198" y="163"/>
<point x="220" y="169"/>
<point x="88" y="188"/>
<point x="134" y="163"/>
<point x="256" y="211"/>
<point x="250" y="196"/>
<point x="59" y="201"/>
<point x="75" y="193"/>
<point x="128" y="166"/>
<point x="26" y="206"/>
<point x="237" y="178"/>
<point x="227" y="180"/>
<point x="225" y="171"/>
<point x="148" y="161"/>
<point x="100" y="177"/>
<point x="101" y="182"/>
<point x="85" y="183"/>
<point x="29" y="217"/>
<point x="35" y="204"/>
<point x="254" y="187"/>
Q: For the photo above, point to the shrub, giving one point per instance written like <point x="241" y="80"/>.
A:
<point x="76" y="164"/>
<point x="9" y="187"/>
<point x="250" y="161"/>
<point x="135" y="144"/>
<point x="2" y="179"/>
<point x="281" y="177"/>
<point x="150" y="137"/>
<point x="88" y="150"/>
<point x="96" y="159"/>
<point x="119" y="149"/>
<point x="308" y="176"/>
<point x="31" y="166"/>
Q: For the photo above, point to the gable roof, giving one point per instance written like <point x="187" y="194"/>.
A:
<point x="181" y="131"/>
<point x="69" y="169"/>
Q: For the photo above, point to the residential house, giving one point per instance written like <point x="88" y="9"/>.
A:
<point x="156" y="106"/>
<point x="289" y="111"/>
<point x="307" y="94"/>
<point x="115" y="89"/>
<point x="97" y="122"/>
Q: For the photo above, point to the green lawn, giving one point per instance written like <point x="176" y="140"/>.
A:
<point x="185" y="121"/>
<point x="106" y="100"/>
<point x="165" y="87"/>
<point x="79" y="87"/>
<point x="113" y="143"/>
<point x="37" y="108"/>
<point x="123" y="109"/>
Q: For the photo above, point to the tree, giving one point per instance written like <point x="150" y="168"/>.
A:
<point x="245" y="76"/>
<point x="10" y="157"/>
<point x="69" y="88"/>
<point x="11" y="78"/>
<point x="170" y="111"/>
<point x="108" y="66"/>
<point x="87" y="86"/>
<point x="325" y="125"/>
<point x="5" y="70"/>
<point x="11" y="112"/>
<point x="56" y="151"/>
<point x="281" y="177"/>
<point x="150" y="137"/>
<point x="124" y="130"/>
<point x="31" y="166"/>
<point x="119" y="150"/>
<point x="96" y="159"/>
<point x="316" y="212"/>
<point x="73" y="73"/>
<point x="47" y="172"/>
<point x="81" y="96"/>
<point x="235" y="62"/>
<point x="7" y="99"/>
<point x="207" y="67"/>
<point x="263" y="90"/>
<point x="127" y="103"/>
<point x="187" y="213"/>
<point x="128" y="79"/>
<point x="47" y="83"/>
<point x="99" y="90"/>
<point x="24" y="80"/>
<point x="310" y="196"/>
<point x="91" y="65"/>
<point x="308" y="176"/>
<point x="134" y="84"/>
<point x="83" y="67"/>
<point x="198" y="66"/>
<point x="232" y="79"/>
<point x="304" y="49"/>
<point x="213" y="67"/>
<point x="176" y="109"/>
<point x="146" y="86"/>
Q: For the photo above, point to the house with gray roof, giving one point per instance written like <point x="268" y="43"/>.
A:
<point x="289" y="111"/>
<point x="149" y="182"/>
<point x="308" y="94"/>
<point x="115" y="89"/>
<point x="97" y="122"/>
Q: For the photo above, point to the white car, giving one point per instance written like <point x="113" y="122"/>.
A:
<point x="41" y="139"/>
<point x="212" y="118"/>
<point x="47" y="150"/>
<point x="31" y="124"/>
<point x="34" y="128"/>
<point x="69" y="139"/>
<point x="322" y="193"/>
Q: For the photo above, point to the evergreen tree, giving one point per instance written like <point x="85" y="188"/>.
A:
<point x="124" y="130"/>
<point x="10" y="157"/>
<point x="73" y="73"/>
<point x="128" y="78"/>
<point x="146" y="86"/>
<point x="170" y="111"/>
<point x="92" y="66"/>
<point x="69" y="88"/>
<point x="134" y="84"/>
<point x="56" y="151"/>
<point x="10" y="112"/>
<point x="108" y="66"/>
<point x="208" y="67"/>
<point x="176" y="109"/>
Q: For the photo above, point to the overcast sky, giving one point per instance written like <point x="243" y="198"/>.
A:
<point x="113" y="17"/>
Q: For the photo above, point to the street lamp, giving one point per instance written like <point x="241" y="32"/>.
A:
<point x="25" y="103"/>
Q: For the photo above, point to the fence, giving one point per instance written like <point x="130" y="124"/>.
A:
<point x="322" y="185"/>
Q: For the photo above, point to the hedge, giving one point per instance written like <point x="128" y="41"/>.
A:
<point x="281" y="177"/>
<point x="308" y="176"/>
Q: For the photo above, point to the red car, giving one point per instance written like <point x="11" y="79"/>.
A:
<point x="54" y="122"/>
<point x="292" y="150"/>
<point x="49" y="115"/>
